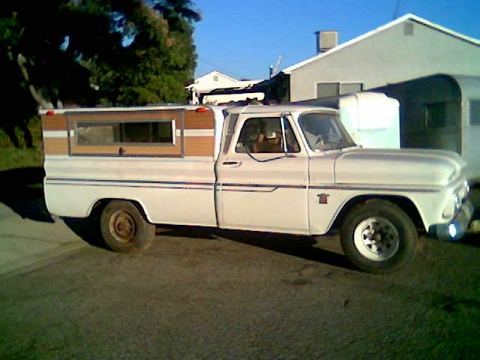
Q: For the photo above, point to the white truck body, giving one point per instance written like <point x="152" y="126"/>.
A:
<point x="204" y="175"/>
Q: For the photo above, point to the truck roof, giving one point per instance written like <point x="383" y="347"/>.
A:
<point x="235" y="109"/>
<point x="258" y="109"/>
<point x="126" y="108"/>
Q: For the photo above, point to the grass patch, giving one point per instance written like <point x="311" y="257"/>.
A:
<point x="11" y="158"/>
<point x="20" y="158"/>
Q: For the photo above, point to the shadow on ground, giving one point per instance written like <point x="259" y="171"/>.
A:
<point x="294" y="245"/>
<point x="22" y="191"/>
<point x="88" y="230"/>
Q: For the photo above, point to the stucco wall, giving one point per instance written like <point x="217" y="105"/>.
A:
<point x="388" y="56"/>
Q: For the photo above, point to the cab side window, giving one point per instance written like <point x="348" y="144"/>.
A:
<point x="265" y="135"/>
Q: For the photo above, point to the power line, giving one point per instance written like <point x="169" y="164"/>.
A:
<point x="222" y="69"/>
<point x="396" y="10"/>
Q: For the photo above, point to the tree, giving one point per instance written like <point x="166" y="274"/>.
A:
<point x="160" y="59"/>
<point x="130" y="51"/>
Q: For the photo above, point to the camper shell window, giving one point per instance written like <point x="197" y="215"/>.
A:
<point x="157" y="132"/>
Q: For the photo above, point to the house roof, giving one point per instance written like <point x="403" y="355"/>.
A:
<point x="216" y="73"/>
<point x="204" y="84"/>
<point x="405" y="18"/>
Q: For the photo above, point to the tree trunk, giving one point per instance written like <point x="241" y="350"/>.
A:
<point x="10" y="131"/>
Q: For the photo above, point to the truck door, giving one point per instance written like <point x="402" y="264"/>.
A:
<point x="262" y="177"/>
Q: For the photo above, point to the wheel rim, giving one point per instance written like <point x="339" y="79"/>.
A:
<point x="376" y="239"/>
<point x="122" y="226"/>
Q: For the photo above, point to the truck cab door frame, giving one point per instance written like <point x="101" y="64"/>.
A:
<point x="262" y="181"/>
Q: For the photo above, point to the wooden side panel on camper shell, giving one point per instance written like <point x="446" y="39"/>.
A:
<point x="106" y="133"/>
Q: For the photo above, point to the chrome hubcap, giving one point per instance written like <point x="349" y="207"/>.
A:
<point x="376" y="239"/>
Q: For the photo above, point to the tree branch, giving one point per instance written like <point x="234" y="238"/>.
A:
<point x="41" y="101"/>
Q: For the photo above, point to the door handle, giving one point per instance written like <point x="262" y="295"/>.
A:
<point x="232" y="163"/>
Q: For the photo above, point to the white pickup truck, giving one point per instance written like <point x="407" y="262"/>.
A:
<point x="285" y="169"/>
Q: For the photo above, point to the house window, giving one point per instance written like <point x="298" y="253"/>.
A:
<point x="215" y="78"/>
<point x="474" y="112"/>
<point x="328" y="90"/>
<point x="325" y="90"/>
<point x="350" y="88"/>
<point x="114" y="133"/>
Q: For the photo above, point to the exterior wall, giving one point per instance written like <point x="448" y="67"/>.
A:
<point x="388" y="56"/>
<point x="214" y="80"/>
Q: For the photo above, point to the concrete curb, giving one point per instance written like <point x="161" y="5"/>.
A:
<point x="37" y="260"/>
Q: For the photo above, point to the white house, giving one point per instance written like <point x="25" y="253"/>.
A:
<point x="216" y="88"/>
<point x="432" y="71"/>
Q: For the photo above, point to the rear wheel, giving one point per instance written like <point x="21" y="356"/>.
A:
<point x="378" y="237"/>
<point x="124" y="228"/>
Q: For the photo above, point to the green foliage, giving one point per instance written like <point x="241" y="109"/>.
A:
<point x="11" y="158"/>
<point x="158" y="63"/>
<point x="21" y="158"/>
<point x="55" y="52"/>
<point x="34" y="127"/>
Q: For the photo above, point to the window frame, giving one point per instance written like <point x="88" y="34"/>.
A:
<point x="176" y="148"/>
<point x="340" y="88"/>
<point x="284" y="124"/>
<point x="121" y="124"/>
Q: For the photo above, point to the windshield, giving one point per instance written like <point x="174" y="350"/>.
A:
<point x="324" y="131"/>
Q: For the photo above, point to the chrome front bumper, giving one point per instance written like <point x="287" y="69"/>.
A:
<point x="457" y="228"/>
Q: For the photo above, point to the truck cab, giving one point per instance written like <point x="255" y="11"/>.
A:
<point x="295" y="169"/>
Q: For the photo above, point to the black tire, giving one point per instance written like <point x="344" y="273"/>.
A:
<point x="124" y="228"/>
<point x="378" y="237"/>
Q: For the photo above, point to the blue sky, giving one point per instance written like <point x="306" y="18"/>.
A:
<point x="242" y="38"/>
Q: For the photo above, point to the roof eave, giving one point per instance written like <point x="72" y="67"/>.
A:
<point x="380" y="29"/>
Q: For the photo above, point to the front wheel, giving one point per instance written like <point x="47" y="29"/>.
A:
<point x="378" y="237"/>
<point x="124" y="228"/>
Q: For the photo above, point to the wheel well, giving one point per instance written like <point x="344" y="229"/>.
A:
<point x="100" y="204"/>
<point x="404" y="203"/>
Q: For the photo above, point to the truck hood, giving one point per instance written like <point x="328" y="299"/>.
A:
<point x="398" y="167"/>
